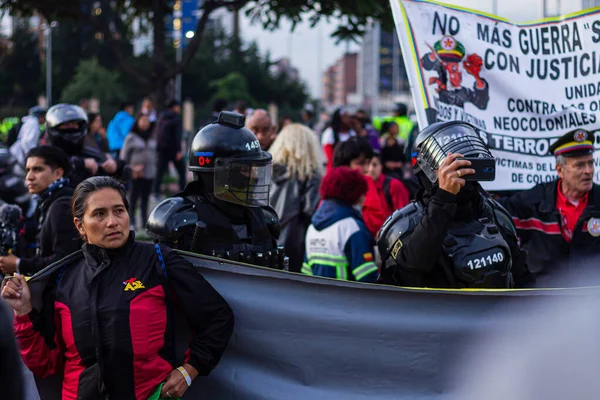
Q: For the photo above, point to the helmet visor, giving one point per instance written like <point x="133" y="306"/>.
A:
<point x="453" y="139"/>
<point x="244" y="181"/>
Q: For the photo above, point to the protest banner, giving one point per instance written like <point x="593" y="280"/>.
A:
<point x="522" y="84"/>
<point x="299" y="337"/>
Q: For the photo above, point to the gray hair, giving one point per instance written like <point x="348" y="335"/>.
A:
<point x="560" y="159"/>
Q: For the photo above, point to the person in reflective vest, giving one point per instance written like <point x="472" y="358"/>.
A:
<point x="400" y="117"/>
<point x="338" y="243"/>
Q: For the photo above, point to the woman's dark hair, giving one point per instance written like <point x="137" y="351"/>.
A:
<point x="385" y="127"/>
<point x="92" y="185"/>
<point x="126" y="104"/>
<point x="336" y="124"/>
<point x="350" y="150"/>
<point x="92" y="117"/>
<point x="53" y="156"/>
<point x="135" y="128"/>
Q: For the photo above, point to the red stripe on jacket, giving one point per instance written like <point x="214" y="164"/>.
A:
<point x="148" y="323"/>
<point x="551" y="228"/>
<point x="42" y="360"/>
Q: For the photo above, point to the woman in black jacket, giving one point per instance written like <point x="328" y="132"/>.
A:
<point x="107" y="312"/>
<point x="297" y="172"/>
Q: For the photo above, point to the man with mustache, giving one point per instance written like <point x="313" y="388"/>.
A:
<point x="559" y="221"/>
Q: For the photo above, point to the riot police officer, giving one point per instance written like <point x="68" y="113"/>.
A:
<point x="12" y="186"/>
<point x="67" y="126"/>
<point x="224" y="212"/>
<point x="454" y="235"/>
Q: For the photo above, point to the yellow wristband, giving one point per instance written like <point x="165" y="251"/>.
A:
<point x="185" y="374"/>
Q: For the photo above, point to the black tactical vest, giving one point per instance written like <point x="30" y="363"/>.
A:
<point x="216" y="236"/>
<point x="477" y="255"/>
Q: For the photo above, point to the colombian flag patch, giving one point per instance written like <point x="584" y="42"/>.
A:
<point x="368" y="256"/>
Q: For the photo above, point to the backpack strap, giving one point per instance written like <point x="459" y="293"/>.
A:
<point x="169" y="301"/>
<point x="386" y="191"/>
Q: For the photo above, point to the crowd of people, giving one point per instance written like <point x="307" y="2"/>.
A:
<point x="346" y="197"/>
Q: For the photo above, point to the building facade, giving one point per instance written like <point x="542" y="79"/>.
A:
<point x="589" y="4"/>
<point x="382" y="78"/>
<point x="340" y="81"/>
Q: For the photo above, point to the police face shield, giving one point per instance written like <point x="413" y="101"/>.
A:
<point x="461" y="139"/>
<point x="244" y="180"/>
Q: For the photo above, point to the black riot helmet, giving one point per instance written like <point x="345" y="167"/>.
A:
<point x="435" y="142"/>
<point x="70" y="139"/>
<point x="227" y="158"/>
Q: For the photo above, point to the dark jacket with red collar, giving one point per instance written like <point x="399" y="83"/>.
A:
<point x="105" y="321"/>
<point x="538" y="224"/>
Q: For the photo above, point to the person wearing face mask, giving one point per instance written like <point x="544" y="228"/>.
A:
<point x="67" y="127"/>
<point x="224" y="212"/>
<point x="338" y="244"/>
<point x="103" y="318"/>
<point x="453" y="235"/>
<point x="559" y="222"/>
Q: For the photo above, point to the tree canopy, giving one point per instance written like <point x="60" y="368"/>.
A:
<point x="115" y="21"/>
<point x="93" y="80"/>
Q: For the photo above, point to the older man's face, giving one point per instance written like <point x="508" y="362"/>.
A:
<point x="262" y="127"/>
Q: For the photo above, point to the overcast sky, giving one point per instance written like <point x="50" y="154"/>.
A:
<point x="312" y="50"/>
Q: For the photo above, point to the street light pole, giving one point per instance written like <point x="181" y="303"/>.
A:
<point x="178" y="43"/>
<point x="48" y="36"/>
<point x="179" y="57"/>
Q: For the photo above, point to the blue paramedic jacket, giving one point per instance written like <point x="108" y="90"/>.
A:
<point x="338" y="245"/>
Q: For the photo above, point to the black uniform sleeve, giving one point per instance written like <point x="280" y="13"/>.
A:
<point x="422" y="248"/>
<point x="522" y="276"/>
<point x="522" y="206"/>
<point x="311" y="197"/>
<point x="207" y="313"/>
<point x="63" y="238"/>
<point x="11" y="378"/>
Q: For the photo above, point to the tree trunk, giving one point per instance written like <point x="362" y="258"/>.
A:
<point x="158" y="58"/>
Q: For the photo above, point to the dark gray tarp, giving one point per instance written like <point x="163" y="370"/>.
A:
<point x="299" y="337"/>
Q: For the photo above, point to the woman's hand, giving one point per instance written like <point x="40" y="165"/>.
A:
<point x="138" y="171"/>
<point x="15" y="292"/>
<point x="175" y="386"/>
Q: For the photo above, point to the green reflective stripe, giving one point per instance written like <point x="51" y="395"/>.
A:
<point x="328" y="256"/>
<point x="363" y="270"/>
<point x="329" y="263"/>
<point x="306" y="269"/>
<point x="342" y="272"/>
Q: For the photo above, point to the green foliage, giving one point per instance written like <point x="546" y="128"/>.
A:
<point x="220" y="56"/>
<point x="20" y="68"/>
<point x="117" y="16"/>
<point x="93" y="80"/>
<point x="232" y="87"/>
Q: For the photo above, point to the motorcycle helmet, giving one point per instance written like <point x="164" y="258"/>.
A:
<point x="67" y="126"/>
